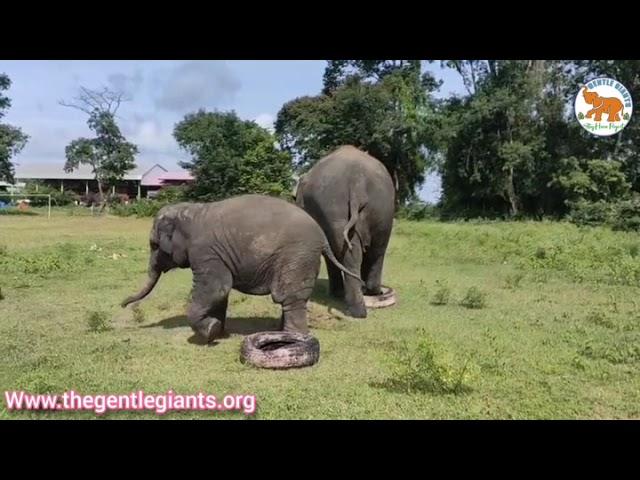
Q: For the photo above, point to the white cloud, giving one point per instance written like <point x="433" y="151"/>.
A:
<point x="265" y="120"/>
<point x="128" y="84"/>
<point x="150" y="134"/>
<point x="195" y="85"/>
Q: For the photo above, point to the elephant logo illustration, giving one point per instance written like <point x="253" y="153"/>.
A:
<point x="603" y="106"/>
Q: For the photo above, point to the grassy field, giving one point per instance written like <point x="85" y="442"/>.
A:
<point x="494" y="320"/>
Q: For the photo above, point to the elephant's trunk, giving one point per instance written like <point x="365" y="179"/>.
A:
<point x="154" y="276"/>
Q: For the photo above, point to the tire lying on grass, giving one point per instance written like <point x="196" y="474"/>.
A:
<point x="280" y="350"/>
<point x="385" y="299"/>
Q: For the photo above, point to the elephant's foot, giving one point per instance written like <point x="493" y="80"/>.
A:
<point x="357" y="310"/>
<point x="208" y="328"/>
<point x="373" y="290"/>
<point x="295" y="320"/>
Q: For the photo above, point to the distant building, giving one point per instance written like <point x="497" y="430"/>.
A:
<point x="138" y="183"/>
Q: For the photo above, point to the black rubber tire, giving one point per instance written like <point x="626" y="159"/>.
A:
<point x="280" y="350"/>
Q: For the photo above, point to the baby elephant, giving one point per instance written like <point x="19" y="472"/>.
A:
<point x="256" y="244"/>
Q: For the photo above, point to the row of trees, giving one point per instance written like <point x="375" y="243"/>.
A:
<point x="512" y="145"/>
<point x="509" y="146"/>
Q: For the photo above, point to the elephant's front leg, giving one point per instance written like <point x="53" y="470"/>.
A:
<point x="352" y="287"/>
<point x="294" y="317"/>
<point x="208" y="309"/>
<point x="595" y="111"/>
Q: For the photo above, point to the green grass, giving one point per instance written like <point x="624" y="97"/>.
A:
<point x="558" y="335"/>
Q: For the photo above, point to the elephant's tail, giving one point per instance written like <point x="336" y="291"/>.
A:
<point x="354" y="214"/>
<point x="326" y="250"/>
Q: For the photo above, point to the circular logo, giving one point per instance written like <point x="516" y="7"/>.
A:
<point x="603" y="106"/>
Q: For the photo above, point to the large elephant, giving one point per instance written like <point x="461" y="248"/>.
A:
<point x="352" y="196"/>
<point x="253" y="243"/>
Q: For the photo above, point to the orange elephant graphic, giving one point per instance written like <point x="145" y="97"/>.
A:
<point x="611" y="106"/>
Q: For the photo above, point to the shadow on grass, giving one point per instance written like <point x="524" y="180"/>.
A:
<point x="321" y="296"/>
<point x="233" y="325"/>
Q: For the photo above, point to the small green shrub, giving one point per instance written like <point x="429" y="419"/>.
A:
<point x="168" y="195"/>
<point x="142" y="208"/>
<point x="3" y="250"/>
<point x="633" y="249"/>
<point x="591" y="214"/>
<point x="98" y="321"/>
<point x="627" y="216"/>
<point x="600" y="319"/>
<point x="540" y="253"/>
<point x="138" y="314"/>
<point x="623" y="215"/>
<point x="442" y="295"/>
<point x="474" y="298"/>
<point x="623" y="351"/>
<point x="513" y="281"/>
<point x="418" y="367"/>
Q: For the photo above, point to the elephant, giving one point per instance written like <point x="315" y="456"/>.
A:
<point x="611" y="106"/>
<point x="352" y="196"/>
<point x="256" y="244"/>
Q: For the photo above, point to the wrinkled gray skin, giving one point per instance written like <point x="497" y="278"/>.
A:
<point x="256" y="244"/>
<point x="352" y="196"/>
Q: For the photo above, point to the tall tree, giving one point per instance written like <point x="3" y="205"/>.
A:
<point x="381" y="106"/>
<point x="109" y="154"/>
<point x="231" y="156"/>
<point x="502" y="148"/>
<point x="12" y="139"/>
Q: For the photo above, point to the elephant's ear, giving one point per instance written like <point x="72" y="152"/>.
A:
<point x="165" y="228"/>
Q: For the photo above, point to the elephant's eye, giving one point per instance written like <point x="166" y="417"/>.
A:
<point x="153" y="245"/>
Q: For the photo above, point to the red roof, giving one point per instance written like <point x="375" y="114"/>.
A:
<point x="167" y="177"/>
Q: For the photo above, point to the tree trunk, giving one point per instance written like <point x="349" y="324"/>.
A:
<point x="103" y="200"/>
<point x="511" y="194"/>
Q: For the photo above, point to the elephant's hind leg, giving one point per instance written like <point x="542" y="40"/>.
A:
<point x="372" y="272"/>
<point x="614" y="115"/>
<point x="208" y="309"/>
<point x="336" y="283"/>
<point x="353" y="288"/>
<point x="292" y="290"/>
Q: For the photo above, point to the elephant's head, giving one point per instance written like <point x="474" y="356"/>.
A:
<point x="168" y="246"/>
<point x="589" y="97"/>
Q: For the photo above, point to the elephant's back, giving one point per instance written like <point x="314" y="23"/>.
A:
<point x="349" y="165"/>
<point x="273" y="219"/>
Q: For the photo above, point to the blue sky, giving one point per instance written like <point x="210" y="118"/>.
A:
<point x="161" y="93"/>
